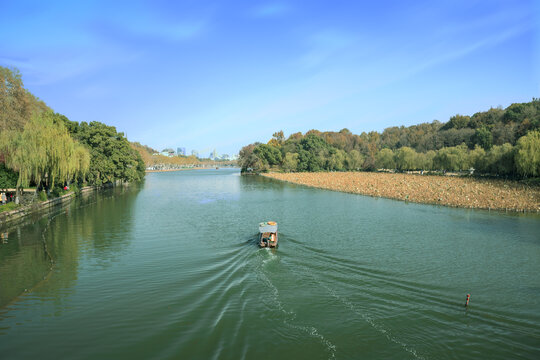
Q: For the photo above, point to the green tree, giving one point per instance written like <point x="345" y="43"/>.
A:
<point x="527" y="156"/>
<point x="500" y="160"/>
<point x="290" y="162"/>
<point x="111" y="156"/>
<point x="354" y="160"/>
<point x="311" y="156"/>
<point x="247" y="159"/>
<point x="513" y="113"/>
<point x="16" y="103"/>
<point x="43" y="152"/>
<point x="385" y="159"/>
<point x="405" y="159"/>
<point x="336" y="160"/>
<point x="457" y="122"/>
<point x="452" y="158"/>
<point x="313" y="143"/>
<point x="424" y="161"/>
<point x="477" y="159"/>
<point x="308" y="161"/>
<point x="8" y="177"/>
<point x="483" y="138"/>
<point x="270" y="155"/>
<point x="486" y="118"/>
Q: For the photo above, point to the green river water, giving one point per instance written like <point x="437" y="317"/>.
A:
<point x="171" y="270"/>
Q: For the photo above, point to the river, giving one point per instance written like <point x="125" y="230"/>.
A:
<point x="171" y="270"/>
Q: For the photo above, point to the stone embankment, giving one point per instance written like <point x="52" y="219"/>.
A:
<point x="465" y="192"/>
<point x="23" y="211"/>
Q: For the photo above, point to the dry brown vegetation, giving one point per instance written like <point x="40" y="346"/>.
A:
<point x="442" y="190"/>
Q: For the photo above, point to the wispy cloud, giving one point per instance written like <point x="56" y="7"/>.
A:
<point x="208" y="72"/>
<point x="463" y="51"/>
<point x="178" y="31"/>
<point x="325" y="46"/>
<point x="271" y="10"/>
<point x="51" y="69"/>
<point x="21" y="63"/>
<point x="387" y="61"/>
<point x="264" y="111"/>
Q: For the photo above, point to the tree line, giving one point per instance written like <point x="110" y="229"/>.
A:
<point x="501" y="142"/>
<point x="41" y="148"/>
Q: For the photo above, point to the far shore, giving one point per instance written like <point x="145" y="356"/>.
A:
<point x="464" y="192"/>
<point x="167" y="170"/>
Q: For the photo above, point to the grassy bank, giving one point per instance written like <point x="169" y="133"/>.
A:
<point x="441" y="190"/>
<point x="8" y="207"/>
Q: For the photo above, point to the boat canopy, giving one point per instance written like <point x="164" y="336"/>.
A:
<point x="270" y="226"/>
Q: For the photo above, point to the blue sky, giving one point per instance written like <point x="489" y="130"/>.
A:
<point x="222" y="74"/>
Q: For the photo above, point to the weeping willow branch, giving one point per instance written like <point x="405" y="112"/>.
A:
<point x="44" y="151"/>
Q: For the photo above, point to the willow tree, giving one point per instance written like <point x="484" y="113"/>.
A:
<point x="44" y="152"/>
<point x="405" y="158"/>
<point x="528" y="154"/>
<point x="80" y="162"/>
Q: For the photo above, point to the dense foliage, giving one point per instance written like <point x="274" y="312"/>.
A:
<point x="45" y="149"/>
<point x="8" y="177"/>
<point x="17" y="105"/>
<point x="43" y="152"/>
<point x="504" y="142"/>
<point x="111" y="155"/>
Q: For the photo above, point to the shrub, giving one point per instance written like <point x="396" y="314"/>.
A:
<point x="42" y="196"/>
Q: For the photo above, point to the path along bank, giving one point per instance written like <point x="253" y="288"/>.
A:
<point x="465" y="192"/>
<point x="14" y="216"/>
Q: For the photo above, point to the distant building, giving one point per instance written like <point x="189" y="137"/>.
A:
<point x="181" y="151"/>
<point x="213" y="155"/>
<point x="168" y="152"/>
<point x="195" y="153"/>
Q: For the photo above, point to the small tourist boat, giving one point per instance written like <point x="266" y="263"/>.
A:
<point x="268" y="236"/>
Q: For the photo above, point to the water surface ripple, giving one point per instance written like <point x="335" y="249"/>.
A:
<point x="171" y="270"/>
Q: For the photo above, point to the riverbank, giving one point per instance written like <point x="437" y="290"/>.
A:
<point x="464" y="192"/>
<point x="18" y="214"/>
<point x="166" y="170"/>
<point x="193" y="168"/>
<point x="169" y="170"/>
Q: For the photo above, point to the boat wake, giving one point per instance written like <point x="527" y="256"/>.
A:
<point x="289" y="315"/>
<point x="363" y="314"/>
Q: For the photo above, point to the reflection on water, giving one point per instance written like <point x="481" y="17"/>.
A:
<point x="173" y="270"/>
<point x="49" y="249"/>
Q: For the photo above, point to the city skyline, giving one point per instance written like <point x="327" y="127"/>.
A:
<point x="214" y="154"/>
